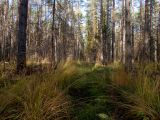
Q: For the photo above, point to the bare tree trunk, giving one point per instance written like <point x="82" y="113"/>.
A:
<point x="128" y="46"/>
<point x="158" y="36"/>
<point x="132" y="31"/>
<point x="1" y="30"/>
<point x="113" y="32"/>
<point x="107" y="38"/>
<point x="52" y="39"/>
<point x="100" y="49"/>
<point x="145" y="57"/>
<point x="151" y="39"/>
<point x="105" y="35"/>
<point x="21" y="55"/>
<point x="123" y="32"/>
<point x="141" y="32"/>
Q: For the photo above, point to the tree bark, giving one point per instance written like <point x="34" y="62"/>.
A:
<point x="151" y="38"/>
<point x="145" y="57"/>
<point x="123" y="32"/>
<point x="158" y="36"/>
<point x="113" y="32"/>
<point x="128" y="46"/>
<point x="21" y="55"/>
<point x="132" y="47"/>
<point x="52" y="39"/>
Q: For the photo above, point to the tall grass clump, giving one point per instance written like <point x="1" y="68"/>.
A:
<point x="38" y="96"/>
<point x="141" y="99"/>
<point x="121" y="80"/>
<point x="41" y="95"/>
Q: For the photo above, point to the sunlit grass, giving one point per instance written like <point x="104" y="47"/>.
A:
<point x="141" y="96"/>
<point x="37" y="97"/>
<point x="34" y="98"/>
<point x="81" y="91"/>
<point x="42" y="96"/>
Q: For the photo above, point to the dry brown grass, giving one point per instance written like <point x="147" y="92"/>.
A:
<point x="120" y="77"/>
<point x="141" y="95"/>
<point x="38" y="96"/>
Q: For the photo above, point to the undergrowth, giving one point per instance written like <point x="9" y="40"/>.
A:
<point x="139" y="92"/>
<point x="81" y="91"/>
<point x="36" y="97"/>
<point x="57" y="95"/>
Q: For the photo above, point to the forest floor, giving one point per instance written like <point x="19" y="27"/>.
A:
<point x="81" y="91"/>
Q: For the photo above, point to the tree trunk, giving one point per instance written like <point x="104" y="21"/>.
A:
<point x="145" y="57"/>
<point x="21" y="55"/>
<point x="100" y="47"/>
<point x="105" y="35"/>
<point x="113" y="31"/>
<point x="151" y="39"/>
<point x="123" y="32"/>
<point x="158" y="36"/>
<point x="132" y="47"/>
<point x="107" y="38"/>
<point x="52" y="39"/>
<point x="128" y="46"/>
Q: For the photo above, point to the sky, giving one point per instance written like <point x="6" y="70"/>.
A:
<point x="82" y="8"/>
<point x="85" y="2"/>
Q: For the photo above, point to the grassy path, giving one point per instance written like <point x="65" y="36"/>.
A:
<point x="92" y="93"/>
<point x="79" y="91"/>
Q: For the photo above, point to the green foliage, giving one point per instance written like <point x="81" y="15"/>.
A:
<point x="90" y="94"/>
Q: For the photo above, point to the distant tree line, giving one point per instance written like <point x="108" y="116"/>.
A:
<point x="46" y="29"/>
<point x="127" y="31"/>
